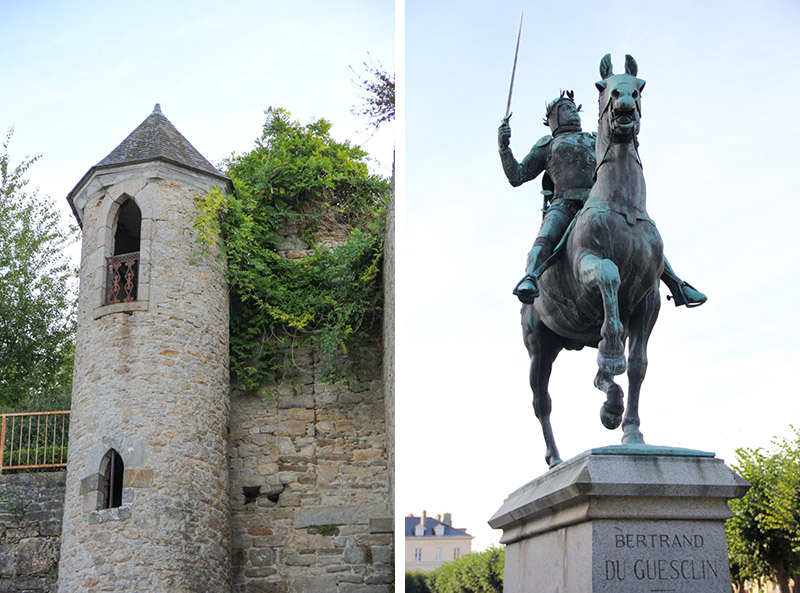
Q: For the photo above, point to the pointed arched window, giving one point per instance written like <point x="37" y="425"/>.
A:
<point x="123" y="265"/>
<point x="111" y="471"/>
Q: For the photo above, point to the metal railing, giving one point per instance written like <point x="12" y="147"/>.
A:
<point x="33" y="440"/>
<point x="123" y="278"/>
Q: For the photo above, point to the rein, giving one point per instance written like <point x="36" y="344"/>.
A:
<point x="606" y="109"/>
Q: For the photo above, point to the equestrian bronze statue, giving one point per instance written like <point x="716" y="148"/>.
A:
<point x="593" y="272"/>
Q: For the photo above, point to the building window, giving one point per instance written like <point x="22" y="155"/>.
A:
<point x="439" y="529"/>
<point x="437" y="555"/>
<point x="417" y="554"/>
<point x="456" y="553"/>
<point x="123" y="266"/>
<point x="111" y="469"/>
<point x="419" y="531"/>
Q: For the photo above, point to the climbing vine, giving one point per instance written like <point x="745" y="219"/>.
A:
<point x="329" y="299"/>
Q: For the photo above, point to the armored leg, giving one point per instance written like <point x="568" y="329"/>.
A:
<point x="555" y="222"/>
<point x="683" y="293"/>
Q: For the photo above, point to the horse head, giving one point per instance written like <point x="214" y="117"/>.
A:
<point x="620" y="101"/>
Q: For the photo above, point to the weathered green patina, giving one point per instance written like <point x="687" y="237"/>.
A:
<point x="567" y="159"/>
<point x="600" y="289"/>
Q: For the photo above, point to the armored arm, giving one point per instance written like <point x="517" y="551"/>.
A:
<point x="530" y="167"/>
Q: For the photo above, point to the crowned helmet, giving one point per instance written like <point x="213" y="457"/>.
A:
<point x="551" y="115"/>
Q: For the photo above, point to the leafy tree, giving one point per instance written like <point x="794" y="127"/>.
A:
<point x="479" y="572"/>
<point x="37" y="295"/>
<point x="298" y="176"/>
<point x="377" y="87"/>
<point x="764" y="533"/>
<point x="416" y="582"/>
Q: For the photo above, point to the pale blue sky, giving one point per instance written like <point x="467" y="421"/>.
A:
<point x="78" y="77"/>
<point x="719" y="144"/>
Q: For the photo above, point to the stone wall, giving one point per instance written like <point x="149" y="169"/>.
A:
<point x="309" y="485"/>
<point x="31" y="507"/>
<point x="311" y="464"/>
<point x="388" y="339"/>
<point x="151" y="381"/>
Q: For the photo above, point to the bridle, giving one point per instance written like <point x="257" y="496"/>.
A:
<point x="605" y="113"/>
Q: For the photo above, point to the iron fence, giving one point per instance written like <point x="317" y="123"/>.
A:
<point x="32" y="440"/>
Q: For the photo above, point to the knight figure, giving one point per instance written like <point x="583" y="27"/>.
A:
<point x="567" y="158"/>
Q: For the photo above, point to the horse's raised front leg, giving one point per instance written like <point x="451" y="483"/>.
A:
<point x="543" y="350"/>
<point x="641" y="325"/>
<point x="603" y="274"/>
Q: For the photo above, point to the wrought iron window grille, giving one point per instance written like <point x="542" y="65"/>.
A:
<point x="122" y="278"/>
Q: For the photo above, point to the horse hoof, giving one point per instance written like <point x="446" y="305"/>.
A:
<point x="612" y="409"/>
<point x="554" y="462"/>
<point x="610" y="421"/>
<point x="631" y="435"/>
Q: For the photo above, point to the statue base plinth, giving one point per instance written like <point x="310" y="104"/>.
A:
<point x="621" y="519"/>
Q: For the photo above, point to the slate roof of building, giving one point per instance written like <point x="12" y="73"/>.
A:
<point x="156" y="138"/>
<point x="430" y="523"/>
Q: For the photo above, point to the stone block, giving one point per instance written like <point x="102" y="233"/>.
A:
<point x="260" y="572"/>
<point x="351" y="578"/>
<point x="356" y="588"/>
<point x="90" y="483"/>
<point x="381" y="525"/>
<point x="36" y="556"/>
<point x="381" y="554"/>
<point x="297" y="559"/>
<point x="315" y="584"/>
<point x="28" y="584"/>
<point x="50" y="528"/>
<point x="261" y="556"/>
<point x="379" y="579"/>
<point x="357" y="555"/>
<point x="7" y="559"/>
<point x="241" y="541"/>
<point x="621" y="520"/>
<point x="128" y="494"/>
<point x="122" y="513"/>
<point x="338" y="515"/>
<point x="138" y="478"/>
<point x="298" y="401"/>
<point x="330" y="561"/>
<point x="261" y="586"/>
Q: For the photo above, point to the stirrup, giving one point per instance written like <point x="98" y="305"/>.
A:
<point x="527" y="294"/>
<point x="692" y="298"/>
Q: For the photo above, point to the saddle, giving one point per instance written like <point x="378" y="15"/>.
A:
<point x="632" y="216"/>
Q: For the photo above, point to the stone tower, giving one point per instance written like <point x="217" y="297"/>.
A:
<point x="146" y="505"/>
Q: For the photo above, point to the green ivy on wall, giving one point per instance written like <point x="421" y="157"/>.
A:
<point x="330" y="300"/>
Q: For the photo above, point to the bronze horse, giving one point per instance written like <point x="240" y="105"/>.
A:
<point x="601" y="290"/>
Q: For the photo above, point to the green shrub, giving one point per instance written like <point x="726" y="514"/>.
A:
<point x="479" y="572"/>
<point x="415" y="582"/>
<point x="331" y="300"/>
<point x="34" y="456"/>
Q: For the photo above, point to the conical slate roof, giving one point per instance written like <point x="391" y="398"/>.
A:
<point x="157" y="138"/>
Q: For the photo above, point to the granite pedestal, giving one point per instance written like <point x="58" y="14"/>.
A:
<point x="624" y="519"/>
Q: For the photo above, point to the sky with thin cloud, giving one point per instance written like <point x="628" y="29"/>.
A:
<point x="719" y="145"/>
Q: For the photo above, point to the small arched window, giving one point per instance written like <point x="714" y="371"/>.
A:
<point x="111" y="471"/>
<point x="123" y="265"/>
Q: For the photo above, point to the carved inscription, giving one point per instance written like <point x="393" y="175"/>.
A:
<point x="658" y="560"/>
